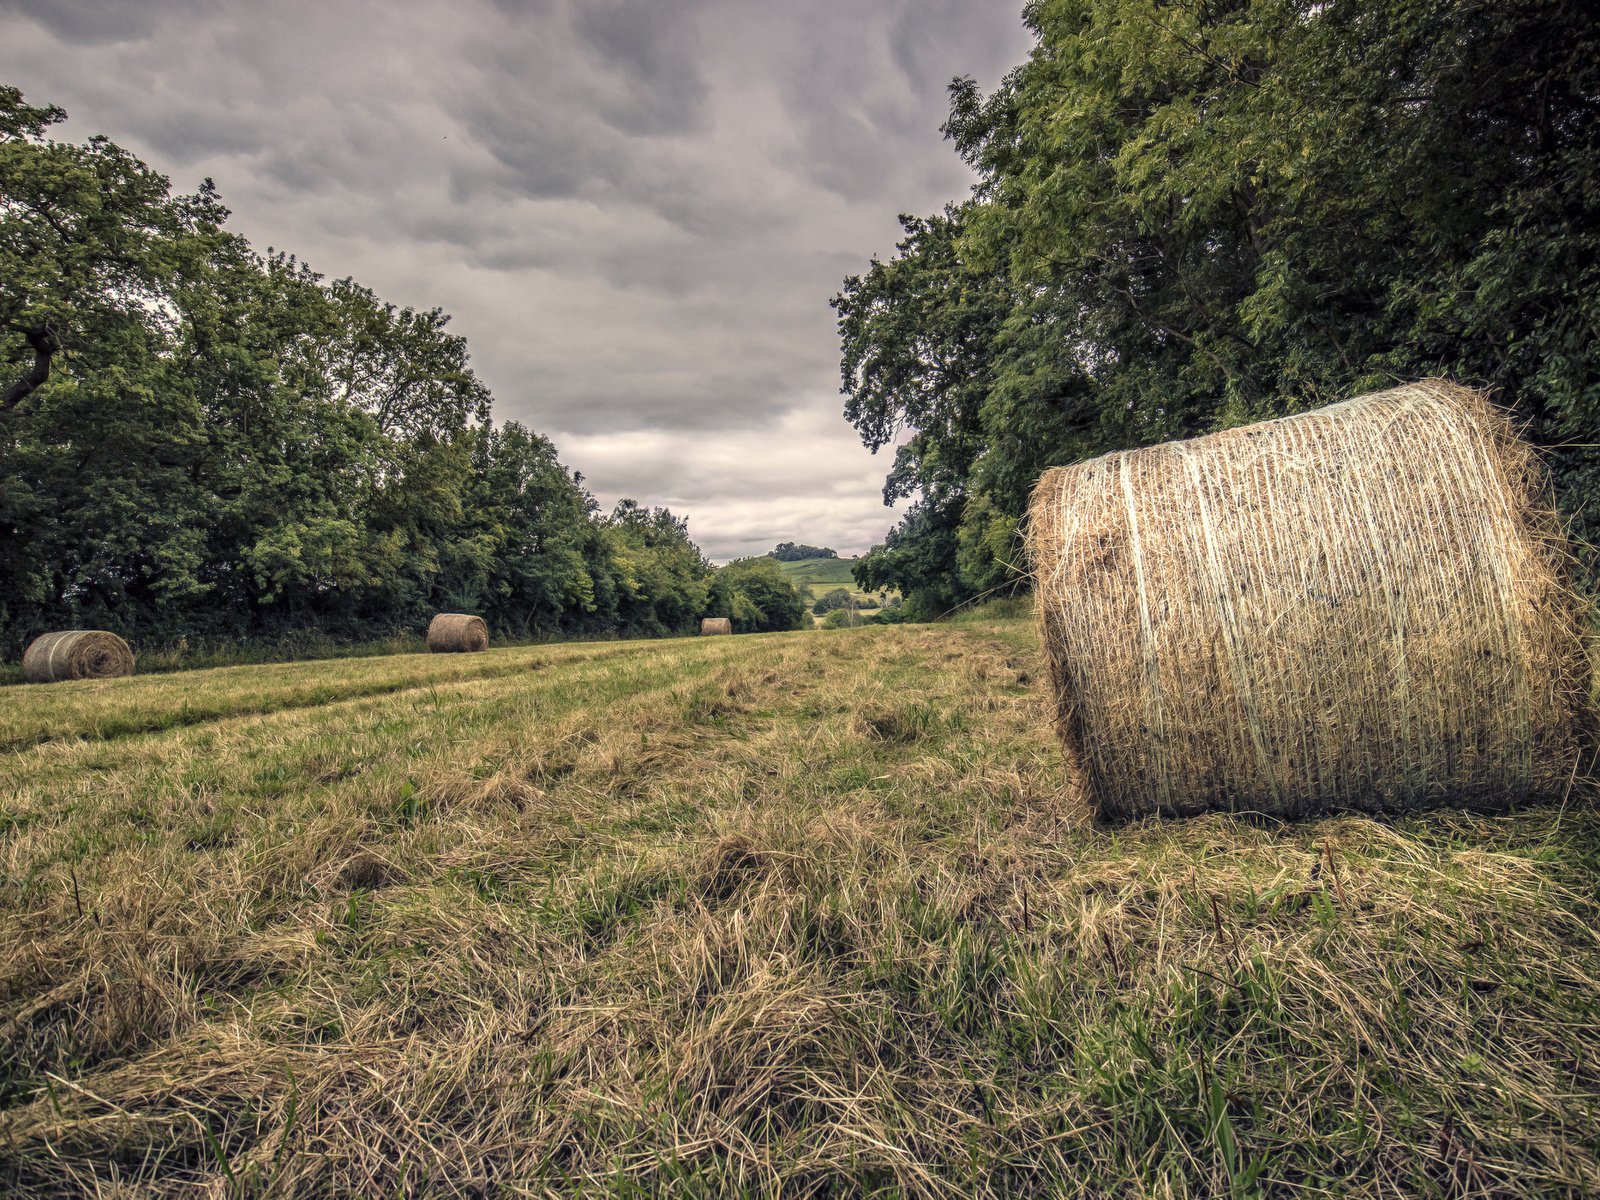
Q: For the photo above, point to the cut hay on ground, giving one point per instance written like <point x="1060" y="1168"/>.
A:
<point x="457" y="633"/>
<point x="710" y="625"/>
<point x="798" y="917"/>
<point x="1360" y="607"/>
<point x="76" y="654"/>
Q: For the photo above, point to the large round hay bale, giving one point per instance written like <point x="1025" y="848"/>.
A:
<point x="76" y="654"/>
<point x="457" y="633"/>
<point x="1361" y="607"/>
<point x="710" y="625"/>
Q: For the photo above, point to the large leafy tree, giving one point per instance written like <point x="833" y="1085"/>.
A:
<point x="661" y="581"/>
<point x="757" y="596"/>
<point x="1197" y="213"/>
<point x="101" y="431"/>
<point x="196" y="439"/>
<point x="536" y="519"/>
<point x="89" y="241"/>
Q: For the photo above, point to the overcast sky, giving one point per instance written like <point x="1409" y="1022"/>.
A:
<point x="635" y="211"/>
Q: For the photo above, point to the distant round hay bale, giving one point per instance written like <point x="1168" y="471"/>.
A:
<point x="76" y="654"/>
<point x="1362" y="607"/>
<point x="457" y="633"/>
<point x="710" y="625"/>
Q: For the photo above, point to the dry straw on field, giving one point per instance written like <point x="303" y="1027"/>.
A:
<point x="1360" y="607"/>
<point x="799" y="916"/>
<point x="710" y="625"/>
<point x="457" y="632"/>
<point x="76" y="654"/>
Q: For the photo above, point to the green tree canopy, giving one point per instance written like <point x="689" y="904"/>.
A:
<point x="1195" y="214"/>
<point x="799" y="552"/>
<point x="199" y="440"/>
<point x="757" y="596"/>
<point x="837" y="598"/>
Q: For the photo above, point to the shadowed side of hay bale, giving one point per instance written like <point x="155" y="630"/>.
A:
<point x="1362" y="607"/>
<point x="457" y="633"/>
<point x="710" y="625"/>
<point x="76" y="654"/>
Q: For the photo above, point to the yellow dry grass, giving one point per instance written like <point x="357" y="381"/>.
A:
<point x="749" y="915"/>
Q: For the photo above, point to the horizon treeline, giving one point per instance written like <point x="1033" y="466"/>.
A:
<point x="1189" y="216"/>
<point x="199" y="441"/>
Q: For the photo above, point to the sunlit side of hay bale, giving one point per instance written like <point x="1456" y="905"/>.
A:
<point x="710" y="625"/>
<point x="457" y="633"/>
<point x="1362" y="607"/>
<point x="76" y="654"/>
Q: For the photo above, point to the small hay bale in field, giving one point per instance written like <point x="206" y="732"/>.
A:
<point x="1362" y="607"/>
<point x="710" y="625"/>
<point x="76" y="654"/>
<point x="457" y="633"/>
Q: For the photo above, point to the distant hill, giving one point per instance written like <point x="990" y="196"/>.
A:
<point x="835" y="572"/>
<point x="824" y="574"/>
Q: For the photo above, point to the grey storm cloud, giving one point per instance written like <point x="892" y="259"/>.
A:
<point x="635" y="211"/>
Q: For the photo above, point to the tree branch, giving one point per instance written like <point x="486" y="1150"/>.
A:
<point x="44" y="342"/>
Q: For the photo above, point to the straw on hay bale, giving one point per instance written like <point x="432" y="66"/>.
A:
<point x="457" y="633"/>
<point x="1361" y="607"/>
<point x="76" y="654"/>
<point x="710" y="625"/>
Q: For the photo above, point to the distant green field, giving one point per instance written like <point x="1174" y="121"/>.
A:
<point x="834" y="572"/>
<point x="825" y="574"/>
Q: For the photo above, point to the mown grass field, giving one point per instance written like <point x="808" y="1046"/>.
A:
<point x="815" y="913"/>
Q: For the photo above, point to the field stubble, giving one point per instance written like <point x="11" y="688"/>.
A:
<point x="816" y="912"/>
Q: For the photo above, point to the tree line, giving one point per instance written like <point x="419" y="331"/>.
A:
<point x="800" y="552"/>
<point x="198" y="440"/>
<point x="1196" y="214"/>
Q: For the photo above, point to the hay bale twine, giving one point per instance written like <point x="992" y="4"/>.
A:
<point x="1362" y="607"/>
<point x="457" y="633"/>
<point x="76" y="654"/>
<point x="710" y="625"/>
